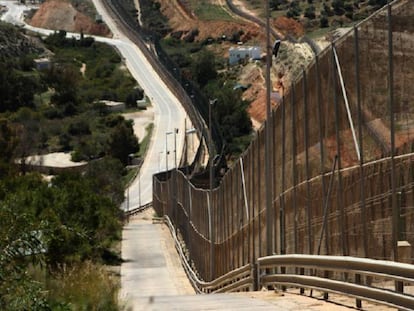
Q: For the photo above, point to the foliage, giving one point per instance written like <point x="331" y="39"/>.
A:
<point x="153" y="20"/>
<point x="70" y="97"/>
<point x="203" y="68"/>
<point x="324" y="22"/>
<point x="123" y="142"/>
<point x="231" y="116"/>
<point x="18" y="240"/>
<point x="8" y="143"/>
<point x="310" y="12"/>
<point x="208" y="11"/>
<point x="17" y="89"/>
<point x="82" y="287"/>
<point x="73" y="218"/>
<point x="132" y="98"/>
<point x="61" y="223"/>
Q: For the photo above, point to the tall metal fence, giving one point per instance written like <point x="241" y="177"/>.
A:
<point x="342" y="161"/>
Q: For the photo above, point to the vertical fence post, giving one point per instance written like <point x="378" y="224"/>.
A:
<point x="305" y="131"/>
<point x="361" y="146"/>
<point x="210" y="231"/>
<point x="259" y="197"/>
<point x="294" y="172"/>
<point x="253" y="205"/>
<point x="339" y="192"/>
<point x="275" y="206"/>
<point x="321" y="140"/>
<point x="395" y="208"/>
<point x="282" y="196"/>
<point x="268" y="146"/>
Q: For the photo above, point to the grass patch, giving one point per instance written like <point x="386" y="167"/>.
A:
<point x="87" y="286"/>
<point x="132" y="172"/>
<point x="207" y="11"/>
<point x="143" y="146"/>
<point x="321" y="32"/>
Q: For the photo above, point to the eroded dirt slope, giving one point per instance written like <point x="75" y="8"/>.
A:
<point x="61" y="15"/>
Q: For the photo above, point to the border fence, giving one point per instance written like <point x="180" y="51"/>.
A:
<point x="342" y="162"/>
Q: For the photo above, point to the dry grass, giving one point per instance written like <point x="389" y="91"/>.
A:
<point x="86" y="286"/>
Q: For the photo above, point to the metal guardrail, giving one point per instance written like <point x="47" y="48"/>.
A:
<point x="380" y="269"/>
<point x="137" y="210"/>
<point x="240" y="279"/>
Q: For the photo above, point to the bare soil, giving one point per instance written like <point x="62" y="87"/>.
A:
<point x="62" y="15"/>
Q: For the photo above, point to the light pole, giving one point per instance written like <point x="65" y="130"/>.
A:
<point x="166" y="150"/>
<point x="175" y="147"/>
<point x="210" y="197"/>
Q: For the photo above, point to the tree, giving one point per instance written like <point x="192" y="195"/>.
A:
<point x="231" y="116"/>
<point x="310" y="12"/>
<point x="324" y="22"/>
<point x="133" y="96"/>
<point x="204" y="68"/>
<point x="8" y="143"/>
<point x="19" y="246"/>
<point x="105" y="175"/>
<point x="123" y="142"/>
<point x="65" y="81"/>
<point x="338" y="7"/>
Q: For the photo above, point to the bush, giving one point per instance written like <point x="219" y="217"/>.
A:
<point x="324" y="22"/>
<point x="310" y="12"/>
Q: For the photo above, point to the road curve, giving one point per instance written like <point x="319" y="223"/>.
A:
<point x="168" y="112"/>
<point x="169" y="115"/>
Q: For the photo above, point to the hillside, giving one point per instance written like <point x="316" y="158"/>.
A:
<point x="14" y="43"/>
<point x="62" y="15"/>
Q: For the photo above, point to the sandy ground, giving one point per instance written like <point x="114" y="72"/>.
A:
<point x="56" y="159"/>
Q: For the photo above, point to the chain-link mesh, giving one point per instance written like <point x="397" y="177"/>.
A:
<point x="336" y="168"/>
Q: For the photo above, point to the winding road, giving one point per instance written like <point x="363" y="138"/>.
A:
<point x="168" y="112"/>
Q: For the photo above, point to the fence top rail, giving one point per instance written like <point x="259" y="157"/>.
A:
<point x="391" y="269"/>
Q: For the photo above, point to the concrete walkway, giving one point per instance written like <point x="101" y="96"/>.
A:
<point x="152" y="278"/>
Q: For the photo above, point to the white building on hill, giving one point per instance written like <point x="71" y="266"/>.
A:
<point x="239" y="53"/>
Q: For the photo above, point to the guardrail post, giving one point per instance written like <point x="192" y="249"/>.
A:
<point x="326" y="276"/>
<point x="358" y="302"/>
<point x="254" y="272"/>
<point x="302" y="272"/>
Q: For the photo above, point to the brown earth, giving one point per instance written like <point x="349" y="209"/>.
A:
<point x="289" y="26"/>
<point x="61" y="15"/>
<point x="182" y="19"/>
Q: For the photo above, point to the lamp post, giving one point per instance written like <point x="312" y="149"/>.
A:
<point x="166" y="150"/>
<point x="175" y="147"/>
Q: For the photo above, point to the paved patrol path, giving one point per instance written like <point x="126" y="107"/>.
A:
<point x="152" y="278"/>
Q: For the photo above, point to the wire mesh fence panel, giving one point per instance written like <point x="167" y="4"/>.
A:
<point x="336" y="169"/>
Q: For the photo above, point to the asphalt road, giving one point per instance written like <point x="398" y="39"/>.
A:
<point x="168" y="112"/>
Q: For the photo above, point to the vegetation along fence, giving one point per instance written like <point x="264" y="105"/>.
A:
<point x="342" y="158"/>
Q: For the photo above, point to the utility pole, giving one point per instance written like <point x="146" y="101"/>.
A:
<point x="268" y="148"/>
<point x="210" y="197"/>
